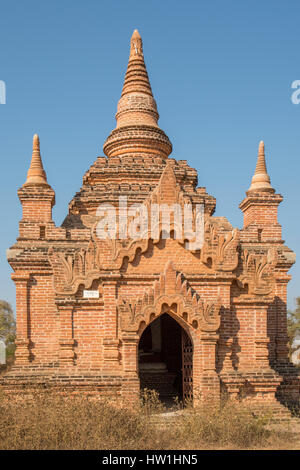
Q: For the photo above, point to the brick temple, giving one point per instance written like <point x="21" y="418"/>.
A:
<point x="118" y="314"/>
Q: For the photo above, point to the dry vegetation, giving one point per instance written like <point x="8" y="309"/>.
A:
<point x="47" y="421"/>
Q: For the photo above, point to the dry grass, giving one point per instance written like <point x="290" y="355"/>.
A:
<point x="55" y="422"/>
<point x="225" y="427"/>
<point x="47" y="421"/>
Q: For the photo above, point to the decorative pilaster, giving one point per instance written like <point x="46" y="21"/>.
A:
<point x="252" y="315"/>
<point x="261" y="381"/>
<point x="225" y="350"/>
<point x="262" y="352"/>
<point x="210" y="382"/>
<point x="110" y="354"/>
<point x="225" y="343"/>
<point x="131" y="382"/>
<point x="281" y="340"/>
<point x="231" y="379"/>
<point x="110" y="341"/>
<point x="22" y="354"/>
<point x="261" y="336"/>
<point x="66" y="340"/>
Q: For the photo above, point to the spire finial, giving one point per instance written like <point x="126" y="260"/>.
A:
<point x="136" y="78"/>
<point x="261" y="148"/>
<point x="136" y="44"/>
<point x="136" y="34"/>
<point x="36" y="173"/>
<point x="261" y="180"/>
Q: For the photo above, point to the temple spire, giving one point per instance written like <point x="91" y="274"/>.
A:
<point x="136" y="78"/>
<point x="137" y="129"/>
<point x="137" y="105"/>
<point x="261" y="180"/>
<point x="36" y="173"/>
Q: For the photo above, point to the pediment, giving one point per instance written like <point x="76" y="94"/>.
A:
<point x="171" y="289"/>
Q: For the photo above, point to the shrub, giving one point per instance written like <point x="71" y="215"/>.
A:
<point x="231" y="424"/>
<point x="46" y="421"/>
<point x="150" y="402"/>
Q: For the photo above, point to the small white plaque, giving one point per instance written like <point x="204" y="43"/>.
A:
<point x="91" y="294"/>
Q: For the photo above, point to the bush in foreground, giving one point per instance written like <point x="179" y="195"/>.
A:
<point x="226" y="426"/>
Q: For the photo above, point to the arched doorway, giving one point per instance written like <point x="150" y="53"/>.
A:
<point x="165" y="357"/>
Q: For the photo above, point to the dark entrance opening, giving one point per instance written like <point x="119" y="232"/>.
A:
<point x="165" y="359"/>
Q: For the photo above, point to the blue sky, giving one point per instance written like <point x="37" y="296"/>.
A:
<point x="221" y="73"/>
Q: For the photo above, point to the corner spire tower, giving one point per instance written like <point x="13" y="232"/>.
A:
<point x="137" y="129"/>
<point x="37" y="198"/>
<point x="260" y="205"/>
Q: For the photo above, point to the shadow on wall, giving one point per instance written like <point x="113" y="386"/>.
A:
<point x="228" y="344"/>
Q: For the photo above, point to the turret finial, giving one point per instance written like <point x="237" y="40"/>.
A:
<point x="36" y="173"/>
<point x="261" y="180"/>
